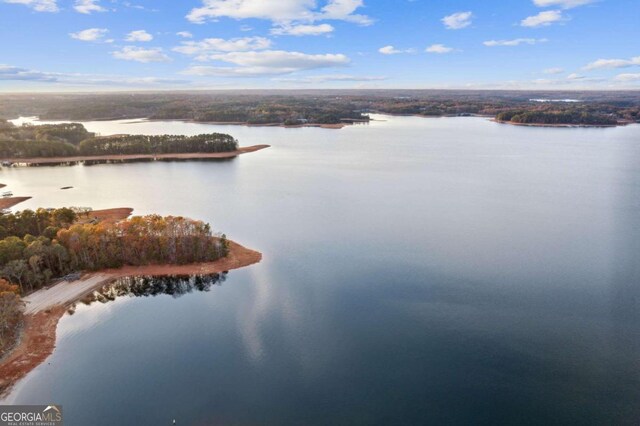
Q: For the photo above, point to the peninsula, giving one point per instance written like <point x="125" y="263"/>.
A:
<point x="85" y="249"/>
<point x="72" y="143"/>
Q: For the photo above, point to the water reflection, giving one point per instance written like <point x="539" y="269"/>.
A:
<point x="151" y="286"/>
<point x="122" y="161"/>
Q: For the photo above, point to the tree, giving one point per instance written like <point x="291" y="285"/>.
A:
<point x="11" y="307"/>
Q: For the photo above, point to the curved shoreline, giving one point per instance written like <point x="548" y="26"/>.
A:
<point x="495" y="120"/>
<point x="134" y="157"/>
<point x="46" y="306"/>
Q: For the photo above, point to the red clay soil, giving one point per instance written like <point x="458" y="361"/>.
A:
<point x="180" y="156"/>
<point x="38" y="337"/>
<point x="6" y="203"/>
<point x="37" y="342"/>
<point x="237" y="258"/>
<point x="106" y="215"/>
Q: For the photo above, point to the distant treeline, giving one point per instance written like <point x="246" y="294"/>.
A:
<point x="71" y="133"/>
<point x="72" y="139"/>
<point x="574" y="116"/>
<point x="314" y="107"/>
<point x="46" y="244"/>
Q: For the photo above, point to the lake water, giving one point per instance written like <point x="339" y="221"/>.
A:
<point x="416" y="271"/>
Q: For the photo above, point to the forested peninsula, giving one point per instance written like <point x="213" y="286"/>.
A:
<point x="50" y="258"/>
<point x="71" y="142"/>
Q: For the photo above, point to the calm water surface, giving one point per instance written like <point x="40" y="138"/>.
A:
<point x="416" y="271"/>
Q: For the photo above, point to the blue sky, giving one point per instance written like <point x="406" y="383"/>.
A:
<point x="64" y="45"/>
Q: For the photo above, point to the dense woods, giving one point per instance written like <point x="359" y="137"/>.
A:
<point x="165" y="144"/>
<point x="42" y="245"/>
<point x="72" y="139"/>
<point x="576" y="116"/>
<point x="313" y="106"/>
<point x="39" y="246"/>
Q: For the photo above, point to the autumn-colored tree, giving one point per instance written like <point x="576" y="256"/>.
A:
<point x="33" y="260"/>
<point x="11" y="307"/>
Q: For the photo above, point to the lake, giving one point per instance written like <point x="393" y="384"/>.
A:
<point x="415" y="271"/>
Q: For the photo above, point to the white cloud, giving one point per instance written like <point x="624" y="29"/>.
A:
<point x="280" y="11"/>
<point x="139" y="35"/>
<point x="457" y="20"/>
<point x="390" y="50"/>
<point x="88" y="6"/>
<point x="612" y="63"/>
<point x="330" y="78"/>
<point x="628" y="77"/>
<point x="184" y="34"/>
<point x="542" y="19"/>
<point x="564" y="4"/>
<point x="302" y="30"/>
<point x="268" y="62"/>
<point x="438" y="48"/>
<point x="343" y="10"/>
<point x="139" y="54"/>
<point x="37" y="5"/>
<point x="553" y="71"/>
<point x="514" y="42"/>
<point x="91" y="34"/>
<point x="202" y="50"/>
<point x="575" y="76"/>
<point x="8" y="72"/>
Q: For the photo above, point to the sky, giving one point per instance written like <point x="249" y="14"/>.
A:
<point x="91" y="45"/>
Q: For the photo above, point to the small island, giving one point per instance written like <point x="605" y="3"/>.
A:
<point x="51" y="258"/>
<point x="70" y="143"/>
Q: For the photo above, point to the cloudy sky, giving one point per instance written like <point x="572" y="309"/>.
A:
<point x="57" y="45"/>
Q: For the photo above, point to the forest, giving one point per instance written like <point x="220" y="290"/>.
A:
<point x="164" y="144"/>
<point x="40" y="246"/>
<point x="37" y="247"/>
<point x="576" y="116"/>
<point x="72" y="139"/>
<point x="313" y="106"/>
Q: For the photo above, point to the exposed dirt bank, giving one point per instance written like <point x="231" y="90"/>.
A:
<point x="37" y="341"/>
<point x="45" y="307"/>
<point x="106" y="215"/>
<point x="134" y="157"/>
<point x="6" y="203"/>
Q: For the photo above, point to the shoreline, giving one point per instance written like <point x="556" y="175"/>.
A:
<point x="242" y="123"/>
<point x="185" y="120"/>
<point x="7" y="203"/>
<point x="45" y="307"/>
<point x="134" y="157"/>
<point x="495" y="120"/>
